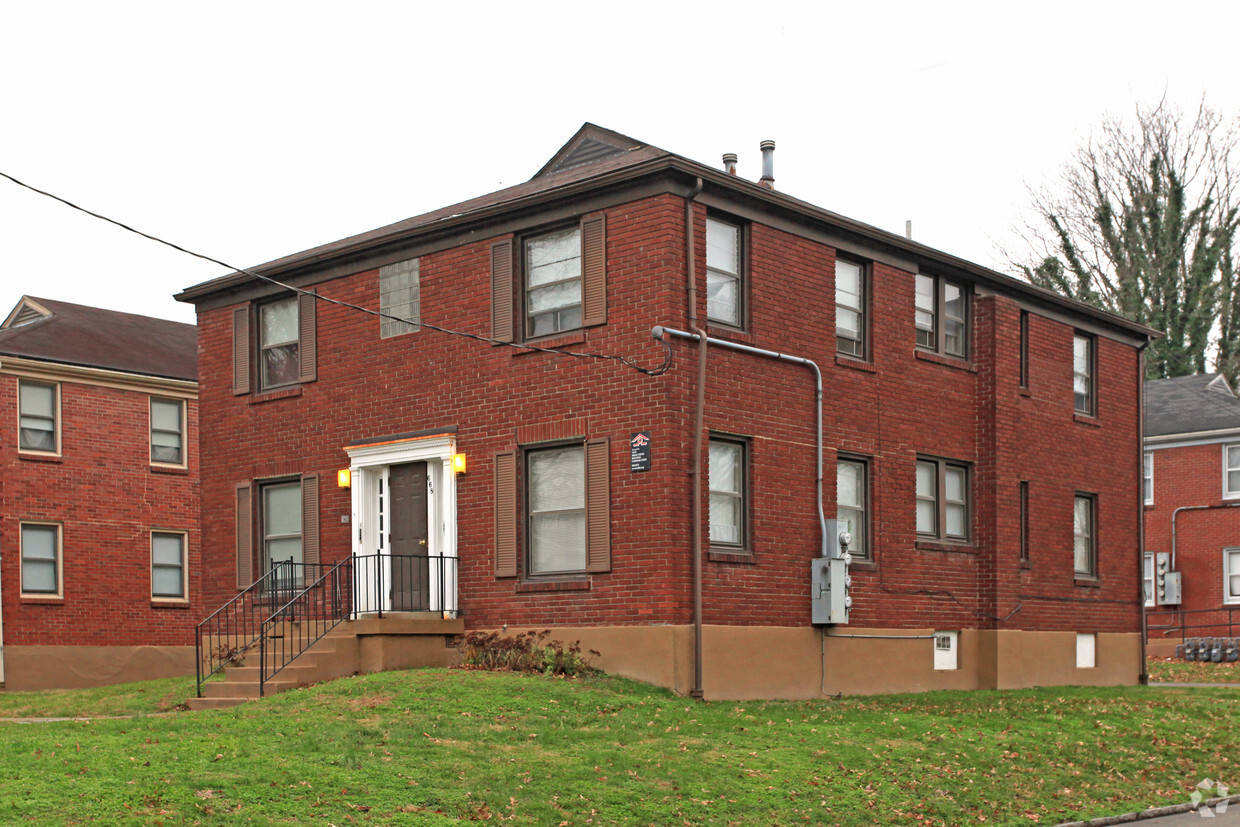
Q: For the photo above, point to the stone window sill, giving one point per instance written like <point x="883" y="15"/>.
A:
<point x="855" y="364"/>
<point x="726" y="556"/>
<point x="54" y="458"/>
<point x="940" y="545"/>
<point x="36" y="600"/>
<point x="534" y="586"/>
<point x="169" y="604"/>
<point x="1086" y="419"/>
<point x="271" y="396"/>
<point x="1086" y="582"/>
<point x="946" y="361"/>
<point x="572" y="337"/>
<point x="174" y="470"/>
<point x="730" y="334"/>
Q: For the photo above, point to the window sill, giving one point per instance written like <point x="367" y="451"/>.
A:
<point x="724" y="556"/>
<point x="1026" y="565"/>
<point x="855" y="364"/>
<point x="573" y="337"/>
<point x="532" y="586"/>
<point x="171" y="603"/>
<point x="946" y="361"/>
<point x="1086" y="582"/>
<point x="1025" y="392"/>
<point x="55" y="458"/>
<point x="36" y="600"/>
<point x="944" y="545"/>
<point x="1086" y="419"/>
<point x="175" y="470"/>
<point x="271" y="396"/>
<point x="865" y="564"/>
<point x="731" y="334"/>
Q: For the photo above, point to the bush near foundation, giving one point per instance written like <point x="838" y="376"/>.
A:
<point x="526" y="652"/>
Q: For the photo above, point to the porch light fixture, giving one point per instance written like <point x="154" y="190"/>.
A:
<point x="343" y="478"/>
<point x="458" y="463"/>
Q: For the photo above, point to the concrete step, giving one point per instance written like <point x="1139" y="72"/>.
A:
<point x="215" y="703"/>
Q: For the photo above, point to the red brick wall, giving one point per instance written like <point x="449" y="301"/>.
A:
<point x="894" y="407"/>
<point x="108" y="498"/>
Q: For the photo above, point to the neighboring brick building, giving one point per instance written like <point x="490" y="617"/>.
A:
<point x="989" y="503"/>
<point x="1192" y="523"/>
<point x="99" y="486"/>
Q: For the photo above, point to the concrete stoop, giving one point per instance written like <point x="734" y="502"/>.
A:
<point x="401" y="640"/>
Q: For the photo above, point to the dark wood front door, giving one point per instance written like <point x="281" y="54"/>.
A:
<point x="408" y="534"/>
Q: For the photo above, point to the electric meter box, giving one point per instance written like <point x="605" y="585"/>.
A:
<point x="829" y="599"/>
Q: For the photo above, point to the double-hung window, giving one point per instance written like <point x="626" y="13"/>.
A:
<point x="1084" y="535"/>
<point x="850" y="301"/>
<point x="1148" y="478"/>
<point x="168" y="567"/>
<point x="942" y="500"/>
<point x="941" y="316"/>
<point x="852" y="487"/>
<point x="1231" y="471"/>
<point x="1231" y="575"/>
<point x="41" y="559"/>
<point x="553" y="293"/>
<point x="728" y="507"/>
<point x="724" y="273"/>
<point x="1083" y="396"/>
<point x="167" y="431"/>
<point x="280" y="519"/>
<point x="38" y="417"/>
<point x="283" y="350"/>
<point x="399" y="298"/>
<point x="556" y="490"/>
<point x="1147" y="578"/>
<point x="278" y="342"/>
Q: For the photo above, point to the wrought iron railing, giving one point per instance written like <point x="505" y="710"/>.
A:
<point x="293" y="605"/>
<point x="1178" y="623"/>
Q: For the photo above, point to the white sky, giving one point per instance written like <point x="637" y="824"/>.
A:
<point x="251" y="130"/>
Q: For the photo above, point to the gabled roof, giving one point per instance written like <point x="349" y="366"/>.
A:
<point x="74" y="334"/>
<point x="1190" y="405"/>
<point x="595" y="158"/>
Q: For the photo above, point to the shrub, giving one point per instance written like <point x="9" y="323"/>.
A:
<point x="526" y="652"/>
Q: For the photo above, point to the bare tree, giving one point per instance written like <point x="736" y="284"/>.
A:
<point x="1144" y="224"/>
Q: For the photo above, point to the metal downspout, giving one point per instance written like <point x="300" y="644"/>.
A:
<point x="1143" y="677"/>
<point x="699" y="420"/>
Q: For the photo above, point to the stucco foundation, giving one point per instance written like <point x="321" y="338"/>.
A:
<point x="75" y="667"/>
<point x="749" y="662"/>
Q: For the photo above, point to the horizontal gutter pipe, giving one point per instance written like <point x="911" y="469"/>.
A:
<point x="887" y="637"/>
<point x="658" y="332"/>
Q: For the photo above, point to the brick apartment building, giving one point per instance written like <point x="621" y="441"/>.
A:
<point x="99" y="485"/>
<point x="980" y="437"/>
<point x="1192" y="525"/>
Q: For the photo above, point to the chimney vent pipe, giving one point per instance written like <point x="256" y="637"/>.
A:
<point x="768" y="164"/>
<point x="908" y="229"/>
<point x="729" y="163"/>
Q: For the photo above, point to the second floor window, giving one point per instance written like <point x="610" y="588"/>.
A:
<point x="941" y="316"/>
<point x="850" y="308"/>
<point x="553" y="282"/>
<point x="279" y="362"/>
<point x="942" y="500"/>
<point x="1231" y="471"/>
<point x="399" y="298"/>
<point x="167" y="431"/>
<point x="1083" y="374"/>
<point x="1084" y="559"/>
<point x="37" y="417"/>
<point x="1148" y="481"/>
<point x="724" y="279"/>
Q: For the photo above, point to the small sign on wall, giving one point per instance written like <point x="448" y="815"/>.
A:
<point x="639" y="451"/>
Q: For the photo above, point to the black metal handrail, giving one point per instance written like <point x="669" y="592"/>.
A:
<point x="301" y="622"/>
<point x="1178" y="624"/>
<point x="233" y="629"/>
<point x="405" y="583"/>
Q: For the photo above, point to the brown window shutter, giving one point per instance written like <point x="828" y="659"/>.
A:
<point x="245" y="535"/>
<point x="594" y="270"/>
<point x="307" y="336"/>
<point x="598" y="506"/>
<point x="310" y="526"/>
<point x="501" y="290"/>
<point x="506" y="514"/>
<point x="241" y="350"/>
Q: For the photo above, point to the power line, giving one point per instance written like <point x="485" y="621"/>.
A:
<point x="576" y="354"/>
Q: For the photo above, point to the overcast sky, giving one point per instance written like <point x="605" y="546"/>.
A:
<point x="251" y="130"/>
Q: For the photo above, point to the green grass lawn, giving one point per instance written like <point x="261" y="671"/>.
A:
<point x="144" y="698"/>
<point x="1170" y="669"/>
<point x="435" y="746"/>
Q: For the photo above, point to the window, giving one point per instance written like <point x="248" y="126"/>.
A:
<point x="1148" y="478"/>
<point x="850" y="300"/>
<point x="941" y="316"/>
<point x="279" y="362"/>
<point x="557" y="510"/>
<point x="852" y="500"/>
<point x="727" y="493"/>
<point x="399" y="296"/>
<point x="942" y="500"/>
<point x="1147" y="578"/>
<point x="167" y="431"/>
<point x="1231" y="575"/>
<point x="168" y="565"/>
<point x="1084" y="537"/>
<point x="946" y="650"/>
<point x="724" y="279"/>
<point x="41" y="565"/>
<point x="37" y="417"/>
<point x="553" y="282"/>
<point x="1083" y="374"/>
<point x="1231" y="471"/>
<point x="1024" y="521"/>
<point x="1024" y="349"/>
<point x="1086" y="651"/>
<point x="280" y="518"/>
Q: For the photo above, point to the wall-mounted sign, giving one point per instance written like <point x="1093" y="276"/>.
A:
<point x="639" y="451"/>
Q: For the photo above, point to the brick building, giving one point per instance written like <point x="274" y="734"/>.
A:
<point x="99" y="485"/>
<point x="980" y="437"/>
<point x="1192" y="490"/>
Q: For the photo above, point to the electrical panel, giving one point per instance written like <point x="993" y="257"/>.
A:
<point x="1166" y="582"/>
<point x="830" y="582"/>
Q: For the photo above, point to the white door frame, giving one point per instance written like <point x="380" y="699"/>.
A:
<point x="368" y="467"/>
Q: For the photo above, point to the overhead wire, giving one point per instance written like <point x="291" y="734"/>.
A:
<point x="576" y="354"/>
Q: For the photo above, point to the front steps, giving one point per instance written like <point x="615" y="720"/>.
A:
<point x="402" y="640"/>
